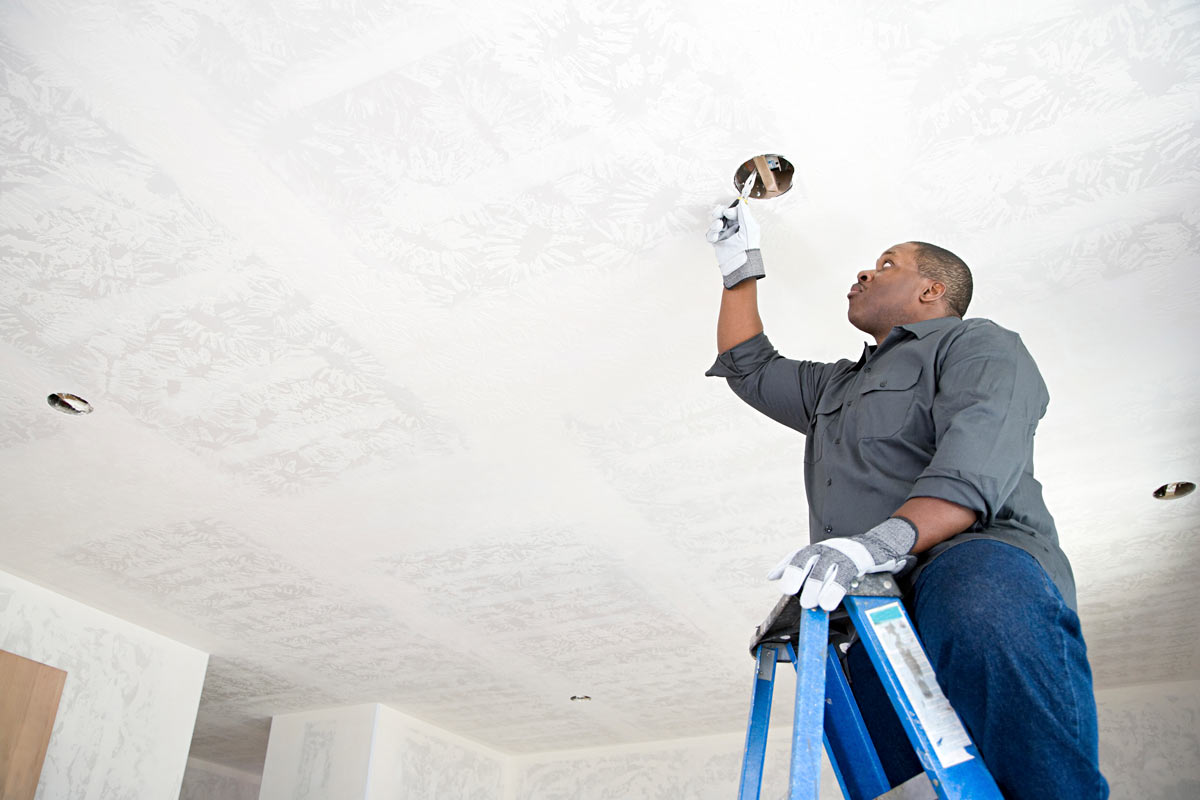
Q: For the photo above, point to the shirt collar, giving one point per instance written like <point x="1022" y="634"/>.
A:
<point x="927" y="326"/>
<point x="918" y="329"/>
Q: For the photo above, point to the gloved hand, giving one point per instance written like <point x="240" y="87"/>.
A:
<point x="825" y="569"/>
<point x="734" y="234"/>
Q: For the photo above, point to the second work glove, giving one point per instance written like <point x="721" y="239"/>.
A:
<point x="734" y="234"/>
<point x="822" y="572"/>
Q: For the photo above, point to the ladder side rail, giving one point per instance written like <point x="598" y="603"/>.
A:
<point x="807" y="723"/>
<point x="760" y="719"/>
<point x="951" y="760"/>
<point x="851" y="751"/>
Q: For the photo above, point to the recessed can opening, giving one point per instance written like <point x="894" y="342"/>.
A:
<point x="69" y="403"/>
<point x="774" y="176"/>
<point x="1174" y="491"/>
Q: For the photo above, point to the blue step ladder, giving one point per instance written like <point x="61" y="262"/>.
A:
<point x="826" y="712"/>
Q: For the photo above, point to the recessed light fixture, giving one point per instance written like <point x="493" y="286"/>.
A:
<point x="69" y="403"/>
<point x="579" y="698"/>
<point x="1174" y="491"/>
<point x="774" y="176"/>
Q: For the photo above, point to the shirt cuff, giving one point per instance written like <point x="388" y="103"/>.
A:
<point x="742" y="359"/>
<point x="955" y="490"/>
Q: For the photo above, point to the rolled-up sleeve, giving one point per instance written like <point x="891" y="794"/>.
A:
<point x="781" y="388"/>
<point x="989" y="399"/>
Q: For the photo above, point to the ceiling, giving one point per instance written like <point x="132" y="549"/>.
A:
<point x="395" y="315"/>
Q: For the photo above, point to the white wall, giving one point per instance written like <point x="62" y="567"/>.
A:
<point x="207" y="781"/>
<point x="374" y="752"/>
<point x="125" y="720"/>
<point x="413" y="760"/>
<point x="323" y="755"/>
<point x="1150" y="740"/>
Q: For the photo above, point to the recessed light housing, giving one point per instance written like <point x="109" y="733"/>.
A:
<point x="69" y="403"/>
<point x="1174" y="491"/>
<point x="775" y="175"/>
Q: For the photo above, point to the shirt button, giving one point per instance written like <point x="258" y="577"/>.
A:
<point x="868" y="369"/>
<point x="882" y="384"/>
<point x="837" y="441"/>
<point x="829" y="529"/>
<point x="849" y="403"/>
<point x="829" y="481"/>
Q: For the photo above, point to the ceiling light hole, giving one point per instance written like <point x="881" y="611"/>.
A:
<point x="69" y="403"/>
<point x="1174" y="491"/>
<point x="775" y="175"/>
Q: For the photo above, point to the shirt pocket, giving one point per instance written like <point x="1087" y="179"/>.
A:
<point x="826" y="420"/>
<point x="885" y="399"/>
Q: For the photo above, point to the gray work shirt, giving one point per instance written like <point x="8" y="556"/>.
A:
<point x="943" y="408"/>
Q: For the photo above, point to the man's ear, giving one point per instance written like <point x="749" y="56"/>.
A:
<point x="933" y="292"/>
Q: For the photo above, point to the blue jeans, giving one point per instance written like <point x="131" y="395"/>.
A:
<point x="1010" y="656"/>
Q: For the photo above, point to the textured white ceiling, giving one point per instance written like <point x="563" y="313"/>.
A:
<point x="395" y="315"/>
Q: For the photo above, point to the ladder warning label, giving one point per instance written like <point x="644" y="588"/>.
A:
<point x="903" y="651"/>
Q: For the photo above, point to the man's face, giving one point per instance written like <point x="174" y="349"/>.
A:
<point x="889" y="294"/>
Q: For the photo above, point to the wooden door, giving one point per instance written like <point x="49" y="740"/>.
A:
<point x="29" y="695"/>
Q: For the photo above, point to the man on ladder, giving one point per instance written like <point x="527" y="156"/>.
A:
<point x="919" y="461"/>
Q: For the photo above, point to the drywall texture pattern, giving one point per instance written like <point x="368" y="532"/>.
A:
<point x="203" y="780"/>
<point x="395" y="313"/>
<point x="129" y="703"/>
<point x="412" y="759"/>
<point x="322" y="755"/>
<point x="371" y="752"/>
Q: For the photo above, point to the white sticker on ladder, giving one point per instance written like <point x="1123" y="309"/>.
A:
<point x="942" y="725"/>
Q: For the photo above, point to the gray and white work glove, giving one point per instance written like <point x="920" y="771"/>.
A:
<point x="735" y="235"/>
<point x="822" y="572"/>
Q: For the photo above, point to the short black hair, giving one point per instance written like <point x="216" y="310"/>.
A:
<point x="939" y="264"/>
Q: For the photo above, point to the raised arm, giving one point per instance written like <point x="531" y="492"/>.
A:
<point x="734" y="235"/>
<point x="738" y="319"/>
<point x="783" y="389"/>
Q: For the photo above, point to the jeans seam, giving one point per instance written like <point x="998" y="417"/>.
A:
<point x="1064" y="645"/>
<point x="1075" y="733"/>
